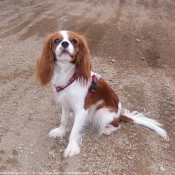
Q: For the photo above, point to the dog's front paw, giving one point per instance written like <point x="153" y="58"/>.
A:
<point x="57" y="132"/>
<point x="72" y="150"/>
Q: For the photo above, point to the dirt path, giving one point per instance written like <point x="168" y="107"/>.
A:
<point x="133" y="46"/>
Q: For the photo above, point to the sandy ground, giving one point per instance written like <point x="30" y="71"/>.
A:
<point x="133" y="47"/>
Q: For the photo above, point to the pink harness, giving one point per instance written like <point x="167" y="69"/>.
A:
<point x="71" y="80"/>
<point x="92" y="89"/>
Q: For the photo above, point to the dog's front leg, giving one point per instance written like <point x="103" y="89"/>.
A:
<point x="60" y="131"/>
<point x="75" y="137"/>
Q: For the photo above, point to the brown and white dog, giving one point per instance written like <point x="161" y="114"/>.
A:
<point x="66" y="62"/>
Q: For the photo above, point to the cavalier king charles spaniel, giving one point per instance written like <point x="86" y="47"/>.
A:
<point x="65" y="61"/>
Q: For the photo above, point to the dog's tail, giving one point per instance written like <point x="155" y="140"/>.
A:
<point x="141" y="119"/>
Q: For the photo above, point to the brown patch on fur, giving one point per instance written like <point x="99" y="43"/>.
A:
<point x="115" y="122"/>
<point x="110" y="101"/>
<point x="105" y="93"/>
<point x="126" y="119"/>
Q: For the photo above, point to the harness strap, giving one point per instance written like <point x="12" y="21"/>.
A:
<point x="71" y="80"/>
<point x="93" y="87"/>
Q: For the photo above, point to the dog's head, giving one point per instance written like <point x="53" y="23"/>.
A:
<point x="65" y="47"/>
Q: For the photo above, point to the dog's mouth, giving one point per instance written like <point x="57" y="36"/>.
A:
<point x="64" y="52"/>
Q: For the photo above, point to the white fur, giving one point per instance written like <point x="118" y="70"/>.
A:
<point x="102" y="117"/>
<point x="71" y="100"/>
<point x="64" y="57"/>
<point x="141" y="119"/>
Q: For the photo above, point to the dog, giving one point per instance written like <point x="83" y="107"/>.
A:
<point x="65" y="61"/>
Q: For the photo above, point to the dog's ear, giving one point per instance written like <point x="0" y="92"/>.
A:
<point x="44" y="64"/>
<point x="83" y="61"/>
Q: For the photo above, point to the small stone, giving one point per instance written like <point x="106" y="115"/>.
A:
<point x="130" y="157"/>
<point x="118" y="28"/>
<point x="52" y="153"/>
<point x="138" y="40"/>
<point x="113" y="60"/>
<point x="162" y="168"/>
<point x="84" y="155"/>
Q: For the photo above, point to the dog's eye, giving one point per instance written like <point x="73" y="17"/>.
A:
<point x="74" y="41"/>
<point x="57" y="41"/>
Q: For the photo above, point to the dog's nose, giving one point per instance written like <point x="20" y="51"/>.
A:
<point x="65" y="44"/>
